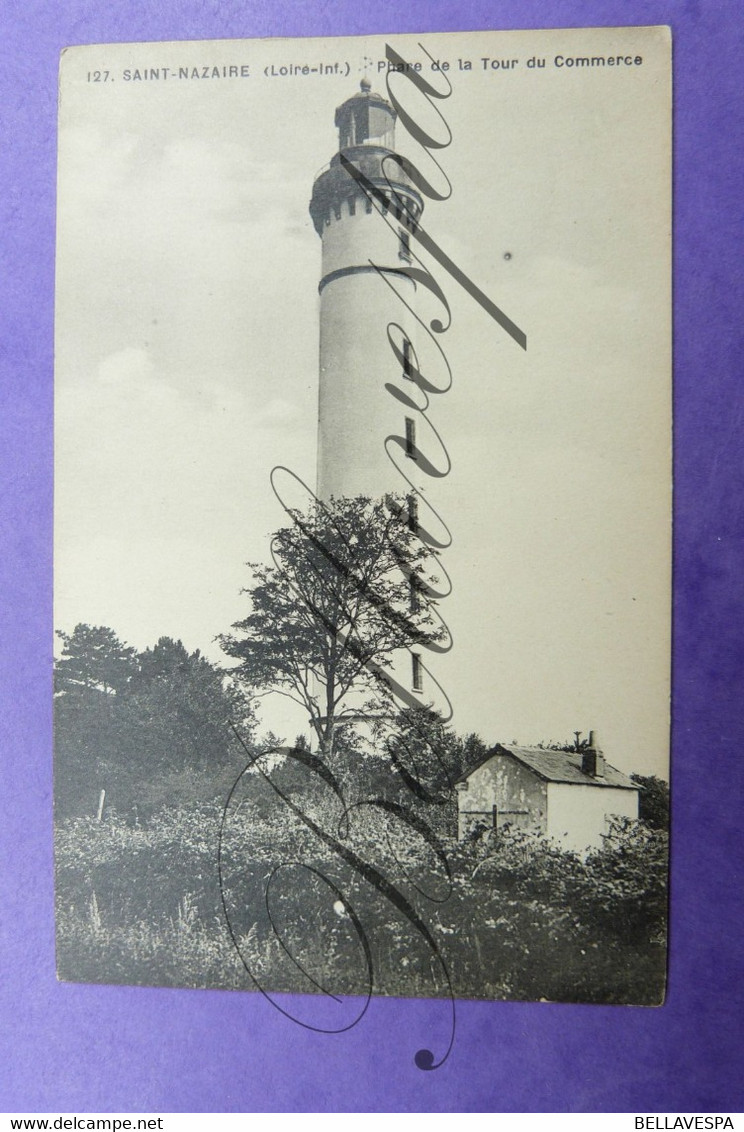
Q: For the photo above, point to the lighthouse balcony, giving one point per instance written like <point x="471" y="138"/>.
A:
<point x="334" y="185"/>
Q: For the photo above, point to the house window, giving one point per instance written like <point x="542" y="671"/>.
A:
<point x="411" y="438"/>
<point x="404" y="247"/>
<point x="413" y="520"/>
<point x="415" y="600"/>
<point x="417" y="672"/>
<point x="407" y="359"/>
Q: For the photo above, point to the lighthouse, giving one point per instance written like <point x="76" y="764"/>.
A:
<point x="366" y="301"/>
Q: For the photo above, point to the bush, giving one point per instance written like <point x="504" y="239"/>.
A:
<point x="545" y="923"/>
<point x="653" y="800"/>
<point x="522" y="918"/>
<point x="625" y="889"/>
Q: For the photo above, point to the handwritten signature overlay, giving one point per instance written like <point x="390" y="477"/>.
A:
<point x="265" y="920"/>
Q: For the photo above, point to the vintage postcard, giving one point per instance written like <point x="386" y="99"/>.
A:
<point x="363" y="517"/>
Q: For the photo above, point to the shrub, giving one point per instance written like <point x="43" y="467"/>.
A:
<point x="522" y="918"/>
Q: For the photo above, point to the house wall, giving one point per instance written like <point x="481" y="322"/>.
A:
<point x="578" y="815"/>
<point x="510" y="787"/>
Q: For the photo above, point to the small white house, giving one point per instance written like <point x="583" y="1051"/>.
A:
<point x="569" y="796"/>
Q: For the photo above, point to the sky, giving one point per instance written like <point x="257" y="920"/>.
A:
<point x="187" y="356"/>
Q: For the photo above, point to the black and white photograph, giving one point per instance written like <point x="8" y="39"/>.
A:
<point x="363" y="517"/>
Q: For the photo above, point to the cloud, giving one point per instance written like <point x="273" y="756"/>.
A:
<point x="130" y="366"/>
<point x="277" y="412"/>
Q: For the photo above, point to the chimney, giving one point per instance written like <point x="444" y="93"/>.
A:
<point x="592" y="759"/>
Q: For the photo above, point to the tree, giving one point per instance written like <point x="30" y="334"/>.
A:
<point x="181" y="707"/>
<point x="91" y="678"/>
<point x="422" y="746"/>
<point x="93" y="658"/>
<point x="428" y="758"/>
<point x="349" y="587"/>
<point x="653" y="800"/>
<point x="144" y="726"/>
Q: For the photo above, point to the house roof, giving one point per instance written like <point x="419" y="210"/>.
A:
<point x="557" y="766"/>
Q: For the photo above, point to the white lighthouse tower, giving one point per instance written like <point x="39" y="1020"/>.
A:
<point x="365" y="247"/>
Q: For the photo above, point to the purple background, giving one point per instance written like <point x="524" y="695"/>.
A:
<point x="80" y="1048"/>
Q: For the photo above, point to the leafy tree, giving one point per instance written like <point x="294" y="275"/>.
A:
<point x="421" y="745"/>
<point x="181" y="707"/>
<point x="348" y="589"/>
<point x="143" y="726"/>
<point x="93" y="658"/>
<point x="473" y="752"/>
<point x="653" y="800"/>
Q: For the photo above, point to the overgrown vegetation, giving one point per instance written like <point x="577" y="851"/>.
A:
<point x="148" y="728"/>
<point x="190" y="854"/>
<point x="139" y="901"/>
<point x="653" y="800"/>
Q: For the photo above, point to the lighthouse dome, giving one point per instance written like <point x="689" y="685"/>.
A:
<point x="366" y="119"/>
<point x="366" y="139"/>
